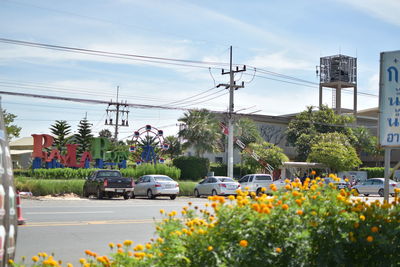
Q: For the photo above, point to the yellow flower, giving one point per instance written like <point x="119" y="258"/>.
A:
<point x="263" y="189"/>
<point x="285" y="206"/>
<point x="374" y="229"/>
<point x="231" y="197"/>
<point x="111" y="245"/>
<point x="210" y="248"/>
<point x="162" y="211"/>
<point x="362" y="217"/>
<point x="247" y="188"/>
<point x="35" y="258"/>
<point x="288" y="187"/>
<point x="82" y="261"/>
<point x="148" y="246"/>
<point x="70" y="265"/>
<point x="160" y="240"/>
<point x="138" y="247"/>
<point x="128" y="243"/>
<point x="370" y="238"/>
<point x="243" y="243"/>
<point x="278" y="250"/>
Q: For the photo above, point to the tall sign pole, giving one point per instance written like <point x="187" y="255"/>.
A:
<point x="389" y="108"/>
<point x="232" y="87"/>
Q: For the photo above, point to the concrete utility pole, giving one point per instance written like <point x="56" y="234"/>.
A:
<point x="117" y="110"/>
<point x="232" y="87"/>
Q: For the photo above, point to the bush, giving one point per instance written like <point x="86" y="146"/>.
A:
<point x="186" y="188"/>
<point x="374" y="172"/>
<point x="62" y="173"/>
<point x="40" y="187"/>
<point x="22" y="172"/>
<point x="192" y="168"/>
<point x="238" y="171"/>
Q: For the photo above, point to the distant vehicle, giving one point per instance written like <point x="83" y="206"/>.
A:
<point x="340" y="184"/>
<point x="156" y="185"/>
<point x="216" y="185"/>
<point x="255" y="182"/>
<point x="109" y="183"/>
<point x="375" y="186"/>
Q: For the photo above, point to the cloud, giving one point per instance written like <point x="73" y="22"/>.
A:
<point x="386" y="10"/>
<point x="280" y="61"/>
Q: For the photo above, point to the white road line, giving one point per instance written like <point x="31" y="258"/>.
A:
<point x="68" y="212"/>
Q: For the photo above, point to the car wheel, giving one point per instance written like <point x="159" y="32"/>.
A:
<point x="196" y="193"/>
<point x="150" y="194"/>
<point x="99" y="194"/>
<point x="133" y="195"/>
<point x="380" y="192"/>
<point x="85" y="192"/>
<point x="214" y="192"/>
<point x="172" y="197"/>
<point x="366" y="195"/>
<point x="258" y="192"/>
<point x="126" y="196"/>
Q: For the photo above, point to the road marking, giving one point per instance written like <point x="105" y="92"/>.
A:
<point x="115" y="206"/>
<point x="77" y="223"/>
<point x="66" y="212"/>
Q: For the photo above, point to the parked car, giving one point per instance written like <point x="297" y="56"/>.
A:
<point x="340" y="184"/>
<point x="375" y="186"/>
<point x="108" y="183"/>
<point x="255" y="182"/>
<point x="156" y="185"/>
<point x="216" y="185"/>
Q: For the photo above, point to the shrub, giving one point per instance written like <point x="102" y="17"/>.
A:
<point x="62" y="173"/>
<point x="374" y="172"/>
<point x="192" y="168"/>
<point x="40" y="187"/>
<point x="238" y="171"/>
<point x="186" y="188"/>
<point x="22" y="172"/>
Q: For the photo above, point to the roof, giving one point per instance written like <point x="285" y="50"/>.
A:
<point x="303" y="164"/>
<point x="20" y="152"/>
<point x="25" y="141"/>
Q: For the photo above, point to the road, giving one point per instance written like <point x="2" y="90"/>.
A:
<point x="67" y="227"/>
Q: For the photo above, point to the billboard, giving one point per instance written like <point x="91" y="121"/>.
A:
<point x="389" y="99"/>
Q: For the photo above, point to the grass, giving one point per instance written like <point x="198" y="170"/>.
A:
<point x="186" y="188"/>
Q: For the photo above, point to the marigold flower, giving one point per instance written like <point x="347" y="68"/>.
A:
<point x="189" y="203"/>
<point x="231" y="197"/>
<point x="299" y="202"/>
<point x="356" y="225"/>
<point x="35" y="258"/>
<point x="148" y="245"/>
<point x="128" y="243"/>
<point x="285" y="206"/>
<point x="370" y="238"/>
<point x="82" y="261"/>
<point x="139" y="247"/>
<point x="313" y="173"/>
<point x="162" y="211"/>
<point x="214" y="205"/>
<point x="374" y="229"/>
<point x="111" y="245"/>
<point x="299" y="212"/>
<point x="210" y="248"/>
<point x="263" y="189"/>
<point x="288" y="187"/>
<point x="119" y="245"/>
<point x="362" y="217"/>
<point x="70" y="265"/>
<point x="160" y="240"/>
<point x="120" y="251"/>
<point x="243" y="243"/>
<point x="278" y="250"/>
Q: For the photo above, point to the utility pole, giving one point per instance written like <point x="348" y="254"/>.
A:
<point x="232" y="87"/>
<point x="120" y="108"/>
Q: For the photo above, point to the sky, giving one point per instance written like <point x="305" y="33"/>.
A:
<point x="272" y="38"/>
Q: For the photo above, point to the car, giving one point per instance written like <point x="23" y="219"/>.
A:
<point x="255" y="182"/>
<point x="108" y="183"/>
<point x="375" y="186"/>
<point x="216" y="185"/>
<point x="340" y="184"/>
<point x="156" y="185"/>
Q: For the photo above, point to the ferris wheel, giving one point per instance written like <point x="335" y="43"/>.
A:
<point x="152" y="142"/>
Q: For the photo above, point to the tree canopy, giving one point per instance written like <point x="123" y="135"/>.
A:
<point x="246" y="130"/>
<point x="307" y="125"/>
<point x="201" y="131"/>
<point x="60" y="129"/>
<point x="84" y="136"/>
<point x="11" y="129"/>
<point x="175" y="146"/>
<point x="267" y="152"/>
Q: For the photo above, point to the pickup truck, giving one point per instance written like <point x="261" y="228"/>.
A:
<point x="108" y="183"/>
<point x="255" y="182"/>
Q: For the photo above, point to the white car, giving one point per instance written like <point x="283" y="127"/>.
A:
<point x="155" y="185"/>
<point x="255" y="182"/>
<point x="375" y="186"/>
<point x="216" y="185"/>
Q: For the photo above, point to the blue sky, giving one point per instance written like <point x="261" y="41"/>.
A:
<point x="287" y="37"/>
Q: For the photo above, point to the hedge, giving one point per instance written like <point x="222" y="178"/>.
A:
<point x="374" y="172"/>
<point x="192" y="168"/>
<point x="221" y="170"/>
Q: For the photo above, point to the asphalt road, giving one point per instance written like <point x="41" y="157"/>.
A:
<point x="66" y="227"/>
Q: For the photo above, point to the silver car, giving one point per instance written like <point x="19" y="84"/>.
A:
<point x="216" y="185"/>
<point x="156" y="185"/>
<point x="375" y="186"/>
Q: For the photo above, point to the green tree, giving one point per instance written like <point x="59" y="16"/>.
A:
<point x="175" y="146"/>
<point x="307" y="125"/>
<point x="106" y="133"/>
<point x="60" y="129"/>
<point x="11" y="129"/>
<point x="364" y="141"/>
<point x="246" y="130"/>
<point x="335" y="151"/>
<point x="84" y="136"/>
<point x="201" y="131"/>
<point x="267" y="152"/>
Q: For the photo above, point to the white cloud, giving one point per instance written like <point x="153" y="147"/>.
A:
<point x="386" y="10"/>
<point x="280" y="61"/>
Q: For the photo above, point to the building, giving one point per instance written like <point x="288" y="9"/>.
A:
<point x="21" y="151"/>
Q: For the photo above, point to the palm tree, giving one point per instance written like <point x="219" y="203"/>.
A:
<point x="201" y="131"/>
<point x="175" y="147"/>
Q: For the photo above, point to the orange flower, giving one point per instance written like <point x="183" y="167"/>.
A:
<point x="299" y="212"/>
<point x="243" y="243"/>
<point x="374" y="229"/>
<point x="278" y="250"/>
<point x="370" y="238"/>
<point x="285" y="206"/>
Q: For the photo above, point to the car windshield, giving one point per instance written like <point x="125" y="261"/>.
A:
<point x="162" y="178"/>
<point x="109" y="174"/>
<point x="225" y="180"/>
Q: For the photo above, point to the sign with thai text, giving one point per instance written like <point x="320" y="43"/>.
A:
<point x="389" y="99"/>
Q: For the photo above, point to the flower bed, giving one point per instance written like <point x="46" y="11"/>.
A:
<point x="302" y="225"/>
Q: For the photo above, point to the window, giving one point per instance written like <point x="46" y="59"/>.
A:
<point x="251" y="179"/>
<point x="212" y="180"/>
<point x="218" y="159"/>
<point x="162" y="178"/>
<point x="368" y="182"/>
<point x="226" y="180"/>
<point x="244" y="179"/>
<point x="263" y="178"/>
<point x="146" y="179"/>
<point x="377" y="182"/>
